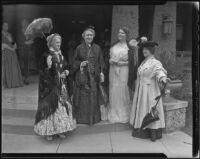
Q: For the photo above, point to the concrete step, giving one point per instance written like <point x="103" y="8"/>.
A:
<point x="26" y="94"/>
<point x="24" y="126"/>
<point x="19" y="99"/>
<point x="18" y="113"/>
<point x="19" y="106"/>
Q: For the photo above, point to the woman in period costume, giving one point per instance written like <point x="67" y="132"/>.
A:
<point x="122" y="77"/>
<point x="11" y="71"/>
<point x="149" y="75"/>
<point x="54" y="114"/>
<point x="87" y="70"/>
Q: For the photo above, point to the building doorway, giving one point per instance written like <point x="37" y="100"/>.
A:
<point x="146" y="16"/>
<point x="75" y="19"/>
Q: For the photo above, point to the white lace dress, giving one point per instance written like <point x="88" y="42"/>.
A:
<point x="119" y="98"/>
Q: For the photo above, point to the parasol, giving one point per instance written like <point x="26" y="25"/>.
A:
<point x="38" y="28"/>
<point x="153" y="115"/>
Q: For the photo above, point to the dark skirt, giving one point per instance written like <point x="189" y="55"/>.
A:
<point x="147" y="133"/>
<point x="86" y="104"/>
<point x="11" y="71"/>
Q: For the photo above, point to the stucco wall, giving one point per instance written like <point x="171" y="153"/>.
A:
<point x="124" y="15"/>
<point x="166" y="42"/>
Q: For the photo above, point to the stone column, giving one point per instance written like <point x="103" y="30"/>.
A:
<point x="124" y="15"/>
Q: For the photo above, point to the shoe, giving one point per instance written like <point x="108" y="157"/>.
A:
<point x="153" y="135"/>
<point x="62" y="136"/>
<point x="49" y="138"/>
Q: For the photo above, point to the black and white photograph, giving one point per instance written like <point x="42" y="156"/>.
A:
<point x="104" y="78"/>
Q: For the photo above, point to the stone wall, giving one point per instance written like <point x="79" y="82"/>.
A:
<point x="166" y="42"/>
<point x="124" y="15"/>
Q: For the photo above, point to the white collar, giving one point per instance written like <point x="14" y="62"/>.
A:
<point x="56" y="52"/>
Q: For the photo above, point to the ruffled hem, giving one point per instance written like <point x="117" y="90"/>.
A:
<point x="57" y="123"/>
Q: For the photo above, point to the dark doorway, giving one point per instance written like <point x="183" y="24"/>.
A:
<point x="146" y="16"/>
<point x="184" y="27"/>
<point x="76" y="18"/>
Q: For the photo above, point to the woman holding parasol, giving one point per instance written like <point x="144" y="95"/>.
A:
<point x="54" y="113"/>
<point x="150" y="74"/>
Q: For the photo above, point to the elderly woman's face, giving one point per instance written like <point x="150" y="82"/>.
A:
<point x="88" y="36"/>
<point x="121" y="35"/>
<point x="146" y="52"/>
<point x="5" y="26"/>
<point x="56" y="43"/>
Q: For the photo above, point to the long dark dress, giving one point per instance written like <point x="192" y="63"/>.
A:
<point x="86" y="92"/>
<point x="54" y="114"/>
<point x="11" y="71"/>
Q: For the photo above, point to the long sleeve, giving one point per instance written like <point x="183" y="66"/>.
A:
<point x="158" y="71"/>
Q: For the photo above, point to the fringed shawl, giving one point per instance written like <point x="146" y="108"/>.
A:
<point x="49" y="90"/>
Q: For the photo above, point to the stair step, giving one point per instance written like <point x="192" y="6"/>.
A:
<point x="19" y="99"/>
<point x="19" y="106"/>
<point x="21" y="121"/>
<point x="18" y="113"/>
<point x="101" y="127"/>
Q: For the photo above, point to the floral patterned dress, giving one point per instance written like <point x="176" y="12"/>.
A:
<point x="54" y="114"/>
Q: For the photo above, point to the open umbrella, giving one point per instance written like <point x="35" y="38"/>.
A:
<point x="153" y="115"/>
<point x="38" y="28"/>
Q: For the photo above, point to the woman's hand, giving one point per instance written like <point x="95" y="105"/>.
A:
<point x="15" y="46"/>
<point x="101" y="77"/>
<point x="122" y="63"/>
<point x="4" y="46"/>
<point x="163" y="81"/>
<point x="83" y="64"/>
<point x="49" y="61"/>
<point x="112" y="62"/>
<point x="64" y="74"/>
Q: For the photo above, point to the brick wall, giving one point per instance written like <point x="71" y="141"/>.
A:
<point x="124" y="16"/>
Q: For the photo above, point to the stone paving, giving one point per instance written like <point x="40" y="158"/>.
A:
<point x="19" y="106"/>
